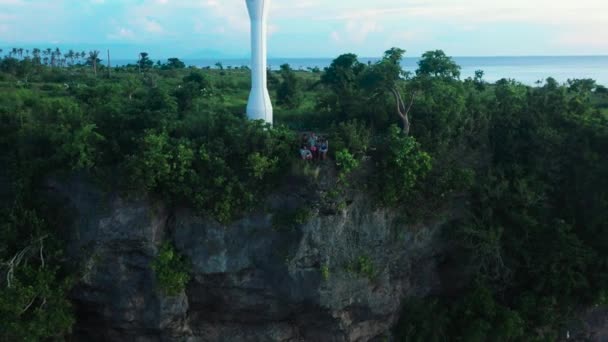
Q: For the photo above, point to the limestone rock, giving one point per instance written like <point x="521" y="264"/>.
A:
<point x="336" y="277"/>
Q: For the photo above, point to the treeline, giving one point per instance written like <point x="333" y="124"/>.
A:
<point x="526" y="164"/>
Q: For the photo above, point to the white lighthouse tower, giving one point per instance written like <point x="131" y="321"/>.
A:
<point x="259" y="106"/>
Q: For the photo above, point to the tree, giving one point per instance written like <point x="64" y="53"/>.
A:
<point x="404" y="111"/>
<point x="383" y="77"/>
<point x="93" y="59"/>
<point x="437" y="64"/>
<point x="288" y="93"/>
<point x="70" y="55"/>
<point x="273" y="80"/>
<point x="401" y="164"/>
<point x="175" y="63"/>
<point x="341" y="78"/>
<point x="391" y="64"/>
<point x="193" y="87"/>
<point x="581" y="85"/>
<point x="144" y="61"/>
<point x="36" y="56"/>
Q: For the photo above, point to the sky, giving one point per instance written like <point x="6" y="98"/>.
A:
<point x="310" y="28"/>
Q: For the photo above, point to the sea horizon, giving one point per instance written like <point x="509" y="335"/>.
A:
<point x="526" y="69"/>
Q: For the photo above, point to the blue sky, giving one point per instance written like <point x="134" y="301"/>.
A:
<point x="310" y="28"/>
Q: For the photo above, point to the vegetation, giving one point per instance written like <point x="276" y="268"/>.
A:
<point x="526" y="166"/>
<point x="172" y="270"/>
<point x="363" y="266"/>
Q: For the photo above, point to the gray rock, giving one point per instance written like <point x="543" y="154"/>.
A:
<point x="338" y="277"/>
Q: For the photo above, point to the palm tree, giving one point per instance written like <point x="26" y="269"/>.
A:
<point x="93" y="59"/>
<point x="57" y="59"/>
<point x="46" y="53"/>
<point x="70" y="55"/>
<point x="36" y="53"/>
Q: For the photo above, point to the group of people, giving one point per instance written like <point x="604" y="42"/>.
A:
<point x="313" y="147"/>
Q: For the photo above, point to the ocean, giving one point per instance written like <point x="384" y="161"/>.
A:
<point x="527" y="70"/>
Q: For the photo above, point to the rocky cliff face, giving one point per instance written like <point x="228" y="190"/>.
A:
<point x="337" y="277"/>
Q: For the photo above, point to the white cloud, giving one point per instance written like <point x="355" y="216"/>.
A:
<point x="151" y="25"/>
<point x="122" y="34"/>
<point x="11" y="2"/>
<point x="356" y="25"/>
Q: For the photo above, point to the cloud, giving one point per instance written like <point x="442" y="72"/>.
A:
<point x="151" y="25"/>
<point x="122" y="34"/>
<point x="11" y="2"/>
<point x="548" y="26"/>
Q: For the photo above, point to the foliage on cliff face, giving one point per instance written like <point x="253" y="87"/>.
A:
<point x="534" y="233"/>
<point x="400" y="165"/>
<point x="171" y="270"/>
<point x="222" y="170"/>
<point x="33" y="303"/>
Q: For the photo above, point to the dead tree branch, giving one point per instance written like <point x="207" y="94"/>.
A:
<point x="402" y="111"/>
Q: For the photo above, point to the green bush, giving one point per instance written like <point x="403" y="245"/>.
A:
<point x="400" y="166"/>
<point x="287" y="219"/>
<point x="363" y="266"/>
<point x="475" y="316"/>
<point x="171" y="269"/>
<point x="222" y="171"/>
<point x="34" y="307"/>
<point x="288" y="93"/>
<point x="353" y="136"/>
<point x="346" y="163"/>
<point x="33" y="288"/>
<point x="325" y="273"/>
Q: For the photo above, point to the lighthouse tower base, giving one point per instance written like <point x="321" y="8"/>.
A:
<point x="259" y="106"/>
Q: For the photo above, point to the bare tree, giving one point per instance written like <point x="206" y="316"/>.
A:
<point x="402" y="111"/>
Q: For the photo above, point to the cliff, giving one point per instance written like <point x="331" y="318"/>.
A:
<point x="338" y="276"/>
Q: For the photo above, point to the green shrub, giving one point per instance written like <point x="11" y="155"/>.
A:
<point x="35" y="306"/>
<point x="352" y="135"/>
<point x="325" y="272"/>
<point x="363" y="266"/>
<point x="476" y="316"/>
<point x="400" y="165"/>
<point x="171" y="269"/>
<point x="287" y="219"/>
<point x="33" y="288"/>
<point x="346" y="163"/>
<point x="219" y="165"/>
